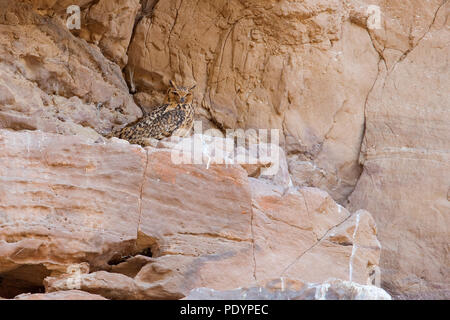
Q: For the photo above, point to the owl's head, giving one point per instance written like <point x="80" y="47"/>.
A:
<point x="179" y="95"/>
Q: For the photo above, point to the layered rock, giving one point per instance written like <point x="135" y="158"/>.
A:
<point x="53" y="193"/>
<point x="319" y="71"/>
<point x="406" y="160"/>
<point x="268" y="64"/>
<point x="109" y="25"/>
<point x="127" y="223"/>
<point x="52" y="81"/>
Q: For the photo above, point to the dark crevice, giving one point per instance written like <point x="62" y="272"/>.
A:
<point x="118" y="259"/>
<point x="24" y="279"/>
<point x="364" y="132"/>
<point x="253" y="243"/>
<point x="147" y="8"/>
<point x="10" y="287"/>
<point x="382" y="59"/>
<point x="345" y="201"/>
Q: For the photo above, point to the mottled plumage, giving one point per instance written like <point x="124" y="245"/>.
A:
<point x="174" y="117"/>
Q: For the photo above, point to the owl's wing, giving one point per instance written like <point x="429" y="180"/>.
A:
<point x="128" y="131"/>
<point x="165" y="123"/>
<point x="156" y="113"/>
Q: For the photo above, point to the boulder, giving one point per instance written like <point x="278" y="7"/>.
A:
<point x="60" y="295"/>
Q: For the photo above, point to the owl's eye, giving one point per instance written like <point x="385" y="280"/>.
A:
<point x="174" y="92"/>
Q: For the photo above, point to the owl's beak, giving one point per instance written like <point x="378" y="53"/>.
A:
<point x="182" y="99"/>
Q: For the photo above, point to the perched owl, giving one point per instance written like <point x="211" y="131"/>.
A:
<point x="174" y="118"/>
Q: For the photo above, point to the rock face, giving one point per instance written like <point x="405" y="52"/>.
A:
<point x="405" y="182"/>
<point x="356" y="88"/>
<point x="293" y="66"/>
<point x="52" y="81"/>
<point x="53" y="191"/>
<point x="109" y="24"/>
<point x="126" y="223"/>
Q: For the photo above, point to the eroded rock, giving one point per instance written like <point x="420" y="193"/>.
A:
<point x="356" y="106"/>
<point x="405" y="182"/>
<point x="124" y="222"/>
<point x="299" y="67"/>
<point x="52" y="81"/>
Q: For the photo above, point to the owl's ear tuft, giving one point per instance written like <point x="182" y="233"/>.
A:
<point x="193" y="87"/>
<point x="173" y="84"/>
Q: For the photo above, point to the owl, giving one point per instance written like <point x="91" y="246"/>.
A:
<point x="174" y="118"/>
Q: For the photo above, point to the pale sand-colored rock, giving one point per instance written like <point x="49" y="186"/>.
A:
<point x="105" y="284"/>
<point x="405" y="182"/>
<point x="403" y="26"/>
<point x="306" y="68"/>
<point x="58" y="5"/>
<point x="290" y="66"/>
<point x="65" y="200"/>
<point x="289" y="289"/>
<point x="102" y="204"/>
<point x="323" y="232"/>
<point x="109" y="25"/>
<point x="61" y="295"/>
<point x="52" y="81"/>
<point x="259" y="159"/>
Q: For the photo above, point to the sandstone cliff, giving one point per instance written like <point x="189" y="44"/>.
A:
<point x="364" y="119"/>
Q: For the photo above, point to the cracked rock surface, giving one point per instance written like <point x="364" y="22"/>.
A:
<point x="364" y="119"/>
<point x="126" y="223"/>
